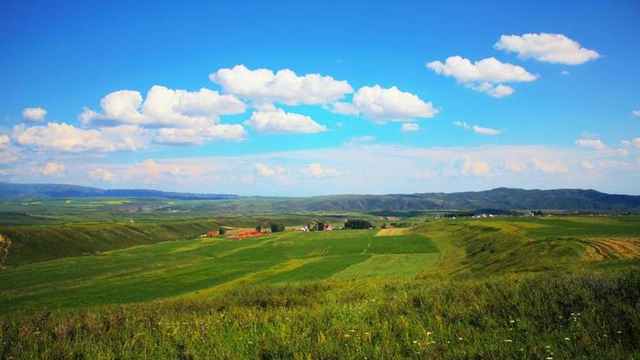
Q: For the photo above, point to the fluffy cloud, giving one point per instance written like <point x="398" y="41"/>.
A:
<point x="585" y="164"/>
<point x="477" y="129"/>
<point x="345" y="108"/>
<point x="64" y="137"/>
<point x="266" y="171"/>
<point x="635" y="113"/>
<point x="490" y="70"/>
<point x="34" y="114"/>
<point x="591" y="143"/>
<point x="264" y="87"/>
<point x="8" y="152"/>
<point x="164" y="107"/>
<point x="276" y="172"/>
<point x="496" y="91"/>
<point x="4" y="141"/>
<point x="380" y="105"/>
<point x="410" y="127"/>
<point x="278" y="122"/>
<point x="485" y="131"/>
<point x="635" y="142"/>
<point x="153" y="169"/>
<point x="318" y="171"/>
<point x="468" y="167"/>
<point x="551" y="48"/>
<point x="54" y="169"/>
<point x="486" y="75"/>
<point x="101" y="174"/>
<point x="198" y="136"/>
<point x="551" y="167"/>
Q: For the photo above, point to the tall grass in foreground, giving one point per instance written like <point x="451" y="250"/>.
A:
<point x="584" y="316"/>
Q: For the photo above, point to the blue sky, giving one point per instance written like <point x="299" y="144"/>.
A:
<point x="305" y="98"/>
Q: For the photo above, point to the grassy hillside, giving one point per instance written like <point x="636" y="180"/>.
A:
<point x="565" y="287"/>
<point x="528" y="317"/>
<point x="38" y="243"/>
<point x="442" y="249"/>
<point x="201" y="265"/>
<point x="51" y="235"/>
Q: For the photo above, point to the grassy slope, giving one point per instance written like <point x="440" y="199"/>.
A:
<point x="35" y="243"/>
<point x="515" y="288"/>
<point x="176" y="268"/>
<point x="43" y="236"/>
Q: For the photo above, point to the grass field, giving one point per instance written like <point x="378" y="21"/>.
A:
<point x="562" y="287"/>
<point x="169" y="269"/>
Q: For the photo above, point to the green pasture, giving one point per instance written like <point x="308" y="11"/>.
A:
<point x="502" y="288"/>
<point x="168" y="269"/>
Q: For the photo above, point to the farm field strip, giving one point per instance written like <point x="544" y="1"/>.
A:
<point x="176" y="268"/>
<point x="388" y="265"/>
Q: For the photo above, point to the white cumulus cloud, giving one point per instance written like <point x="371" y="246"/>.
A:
<point x="551" y="167"/>
<point x="34" y="114"/>
<point x="410" y="127"/>
<point x="477" y="129"/>
<point x="318" y="171"/>
<point x="153" y="169"/>
<point x="264" y="87"/>
<point x="486" y="75"/>
<point x="164" y="107"/>
<point x="381" y="105"/>
<point x="470" y="167"/>
<point x="587" y="165"/>
<point x="278" y="122"/>
<point x="101" y="174"/>
<point x="65" y="137"/>
<point x="591" y="143"/>
<point x="54" y="169"/>
<point x="4" y="141"/>
<point x="551" y="48"/>
<point x="176" y="136"/>
<point x="266" y="171"/>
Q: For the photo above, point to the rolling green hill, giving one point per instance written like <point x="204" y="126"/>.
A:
<point x="441" y="249"/>
<point x="36" y="243"/>
<point x="561" y="287"/>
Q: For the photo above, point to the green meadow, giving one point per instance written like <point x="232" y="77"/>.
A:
<point x="505" y="288"/>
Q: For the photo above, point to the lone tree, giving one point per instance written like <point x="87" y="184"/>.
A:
<point x="222" y="231"/>
<point x="259" y="228"/>
<point x="358" y="224"/>
<point x="5" y="244"/>
<point x="275" y="227"/>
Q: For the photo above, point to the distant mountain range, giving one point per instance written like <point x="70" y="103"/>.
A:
<point x="500" y="198"/>
<point x="58" y="191"/>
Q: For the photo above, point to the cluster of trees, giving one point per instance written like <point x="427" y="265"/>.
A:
<point x="276" y="227"/>
<point x="317" y="226"/>
<point x="358" y="224"/>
